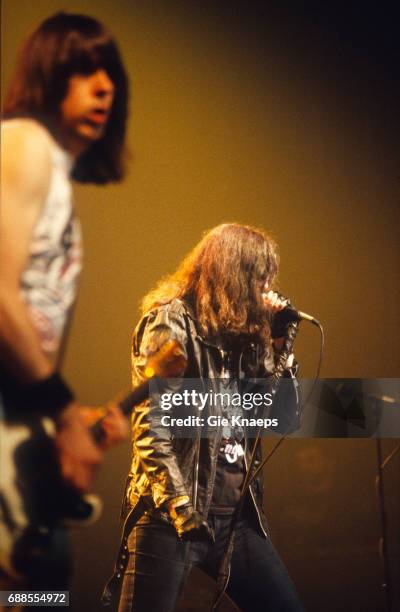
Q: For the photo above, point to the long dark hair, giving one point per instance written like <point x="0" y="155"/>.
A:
<point x="63" y="45"/>
<point x="223" y="278"/>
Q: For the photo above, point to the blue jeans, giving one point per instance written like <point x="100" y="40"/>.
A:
<point x="159" y="564"/>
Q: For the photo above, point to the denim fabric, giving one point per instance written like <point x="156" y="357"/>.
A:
<point x="159" y="564"/>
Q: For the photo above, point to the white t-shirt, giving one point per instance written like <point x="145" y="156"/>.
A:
<point x="49" y="281"/>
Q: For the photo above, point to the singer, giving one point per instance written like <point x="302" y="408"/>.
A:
<point x="220" y="307"/>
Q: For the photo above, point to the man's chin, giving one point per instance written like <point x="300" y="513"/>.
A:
<point x="79" y="138"/>
<point x="90" y="133"/>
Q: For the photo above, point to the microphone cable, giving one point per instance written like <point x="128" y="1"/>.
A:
<point x="286" y="433"/>
<point x="223" y="577"/>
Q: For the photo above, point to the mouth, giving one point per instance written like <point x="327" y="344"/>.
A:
<point x="97" y="117"/>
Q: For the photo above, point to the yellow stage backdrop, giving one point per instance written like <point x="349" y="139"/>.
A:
<point x="257" y="118"/>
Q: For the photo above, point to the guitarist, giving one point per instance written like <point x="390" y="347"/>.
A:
<point x="64" y="118"/>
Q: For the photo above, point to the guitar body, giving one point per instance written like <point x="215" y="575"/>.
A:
<point x="33" y="497"/>
<point x="13" y="518"/>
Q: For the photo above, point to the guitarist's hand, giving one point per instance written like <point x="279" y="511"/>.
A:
<point x="115" y="426"/>
<point x="78" y="455"/>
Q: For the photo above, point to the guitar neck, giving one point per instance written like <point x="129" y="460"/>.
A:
<point x="138" y="395"/>
<point x="170" y="360"/>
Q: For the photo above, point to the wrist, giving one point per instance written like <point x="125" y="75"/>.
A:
<point x="45" y="397"/>
<point x="69" y="414"/>
<point x="278" y="343"/>
<point x="178" y="506"/>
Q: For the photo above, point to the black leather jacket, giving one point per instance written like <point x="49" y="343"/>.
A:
<point x="169" y="469"/>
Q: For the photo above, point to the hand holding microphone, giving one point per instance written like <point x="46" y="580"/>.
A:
<point x="274" y="302"/>
<point x="283" y="313"/>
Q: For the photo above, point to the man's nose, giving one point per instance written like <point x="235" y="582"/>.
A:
<point x="103" y="85"/>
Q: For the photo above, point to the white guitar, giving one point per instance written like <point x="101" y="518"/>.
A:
<point x="33" y="496"/>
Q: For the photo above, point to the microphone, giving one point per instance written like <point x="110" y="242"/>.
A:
<point x="290" y="313"/>
<point x="300" y="315"/>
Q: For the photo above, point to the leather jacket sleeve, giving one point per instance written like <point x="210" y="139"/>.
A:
<point x="152" y="441"/>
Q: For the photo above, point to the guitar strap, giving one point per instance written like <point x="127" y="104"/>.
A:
<point x="114" y="583"/>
